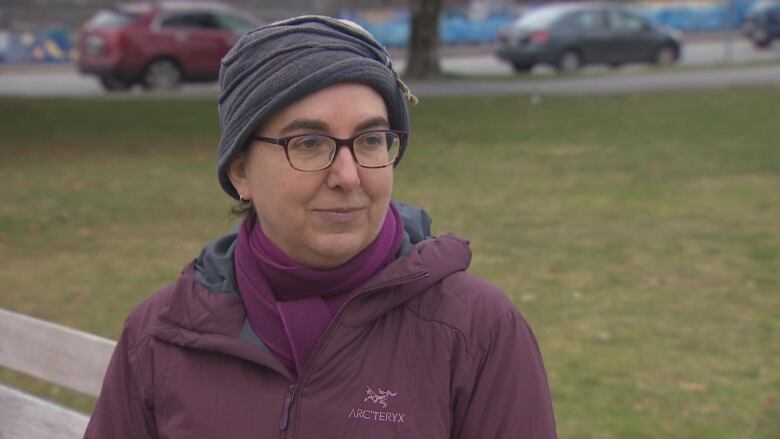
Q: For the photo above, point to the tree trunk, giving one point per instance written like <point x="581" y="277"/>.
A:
<point x="423" y="59"/>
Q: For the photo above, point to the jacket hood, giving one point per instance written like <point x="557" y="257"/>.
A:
<point x="429" y="262"/>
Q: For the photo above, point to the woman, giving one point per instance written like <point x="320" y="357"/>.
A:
<point x="330" y="313"/>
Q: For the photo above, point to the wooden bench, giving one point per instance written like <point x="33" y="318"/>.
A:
<point x="57" y="354"/>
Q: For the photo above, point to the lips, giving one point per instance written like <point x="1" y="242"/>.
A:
<point x="340" y="214"/>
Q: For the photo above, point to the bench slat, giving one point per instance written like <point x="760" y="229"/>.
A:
<point x="64" y="356"/>
<point x="25" y="416"/>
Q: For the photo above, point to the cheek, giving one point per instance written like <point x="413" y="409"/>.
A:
<point x="284" y="196"/>
<point x="379" y="185"/>
<point x="270" y="176"/>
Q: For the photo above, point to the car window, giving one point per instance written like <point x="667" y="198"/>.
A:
<point x="542" y="17"/>
<point x="585" y="21"/>
<point x="234" y="24"/>
<point x="111" y="18"/>
<point x="624" y="22"/>
<point x="199" y="20"/>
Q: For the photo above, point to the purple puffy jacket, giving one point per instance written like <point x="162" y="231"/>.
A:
<point x="426" y="350"/>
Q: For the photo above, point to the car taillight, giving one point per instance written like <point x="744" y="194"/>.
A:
<point x="540" y="37"/>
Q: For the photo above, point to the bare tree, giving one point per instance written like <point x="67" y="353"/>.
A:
<point x="423" y="58"/>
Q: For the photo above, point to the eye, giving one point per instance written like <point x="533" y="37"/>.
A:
<point x="372" y="140"/>
<point x="308" y="144"/>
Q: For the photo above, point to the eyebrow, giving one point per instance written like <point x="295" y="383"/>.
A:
<point x="374" y="122"/>
<point x="319" y="125"/>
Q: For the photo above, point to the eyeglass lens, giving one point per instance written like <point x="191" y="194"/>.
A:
<point x="315" y="152"/>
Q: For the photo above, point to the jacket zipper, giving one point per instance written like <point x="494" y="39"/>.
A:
<point x="289" y="405"/>
<point x="286" y="409"/>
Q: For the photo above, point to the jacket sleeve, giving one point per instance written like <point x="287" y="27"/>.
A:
<point x="505" y="392"/>
<point x="121" y="410"/>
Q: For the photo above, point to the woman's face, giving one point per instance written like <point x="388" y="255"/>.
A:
<point x="321" y="219"/>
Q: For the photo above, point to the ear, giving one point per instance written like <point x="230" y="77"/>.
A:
<point x="238" y="176"/>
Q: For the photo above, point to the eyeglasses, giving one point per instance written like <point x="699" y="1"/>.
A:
<point x="314" y="152"/>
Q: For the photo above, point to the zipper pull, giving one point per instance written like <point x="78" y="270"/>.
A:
<point x="286" y="408"/>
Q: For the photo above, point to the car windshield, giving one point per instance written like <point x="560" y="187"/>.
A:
<point x="111" y="18"/>
<point x="542" y="17"/>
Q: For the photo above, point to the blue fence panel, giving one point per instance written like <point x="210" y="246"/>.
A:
<point x="391" y="27"/>
<point x="452" y="30"/>
<point x="48" y="45"/>
<point x="696" y="17"/>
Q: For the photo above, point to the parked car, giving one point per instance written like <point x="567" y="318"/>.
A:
<point x="159" y="44"/>
<point x="762" y="23"/>
<point x="570" y="35"/>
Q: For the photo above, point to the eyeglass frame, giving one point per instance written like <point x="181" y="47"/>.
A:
<point x="349" y="143"/>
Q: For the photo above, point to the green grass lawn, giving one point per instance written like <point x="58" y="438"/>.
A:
<point x="639" y="235"/>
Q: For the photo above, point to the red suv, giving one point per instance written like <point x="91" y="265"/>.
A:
<point x="159" y="44"/>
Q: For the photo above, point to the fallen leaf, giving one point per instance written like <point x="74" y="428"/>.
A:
<point x="528" y="297"/>
<point x="689" y="386"/>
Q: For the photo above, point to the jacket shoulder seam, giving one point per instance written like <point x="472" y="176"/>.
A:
<point x="446" y="324"/>
<point x="487" y="338"/>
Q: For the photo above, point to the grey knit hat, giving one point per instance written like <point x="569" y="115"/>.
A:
<point x="277" y="64"/>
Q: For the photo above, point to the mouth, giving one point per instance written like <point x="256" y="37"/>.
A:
<point x="341" y="215"/>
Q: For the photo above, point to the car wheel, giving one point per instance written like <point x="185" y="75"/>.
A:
<point x="760" y="39"/>
<point x="162" y="74"/>
<point x="569" y="61"/>
<point x="111" y="83"/>
<point x="665" y="55"/>
<point x="762" y="44"/>
<point x="521" y="67"/>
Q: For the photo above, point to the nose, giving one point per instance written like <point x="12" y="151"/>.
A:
<point x="343" y="172"/>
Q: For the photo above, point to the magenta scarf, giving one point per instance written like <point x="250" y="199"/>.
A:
<point x="290" y="306"/>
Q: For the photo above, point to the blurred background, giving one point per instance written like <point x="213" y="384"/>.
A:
<point x="38" y="30"/>
<point x="617" y="171"/>
<point x="117" y="46"/>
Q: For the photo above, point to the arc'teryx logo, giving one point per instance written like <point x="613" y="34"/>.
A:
<point x="380" y="398"/>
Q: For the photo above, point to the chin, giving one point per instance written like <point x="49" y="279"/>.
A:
<point x="339" y="249"/>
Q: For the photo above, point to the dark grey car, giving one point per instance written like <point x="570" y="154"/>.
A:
<point x="569" y="36"/>
<point x="762" y="23"/>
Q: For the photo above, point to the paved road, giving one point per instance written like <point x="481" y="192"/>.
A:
<point x="732" y="57"/>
